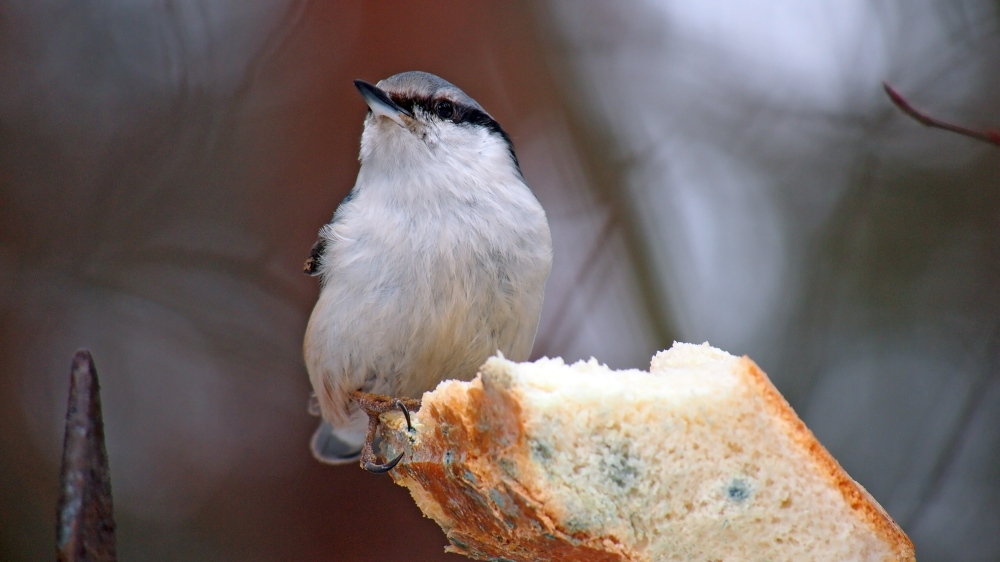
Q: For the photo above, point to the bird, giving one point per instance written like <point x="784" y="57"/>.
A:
<point x="435" y="260"/>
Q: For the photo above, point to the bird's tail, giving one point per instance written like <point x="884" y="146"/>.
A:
<point x="333" y="447"/>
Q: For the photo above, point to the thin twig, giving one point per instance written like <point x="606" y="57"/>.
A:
<point x="987" y="136"/>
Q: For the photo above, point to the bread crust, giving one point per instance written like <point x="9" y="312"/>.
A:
<point x="456" y="471"/>
<point x="858" y="498"/>
<point x="469" y="466"/>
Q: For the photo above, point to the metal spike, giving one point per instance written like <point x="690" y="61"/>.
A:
<point x="85" y="530"/>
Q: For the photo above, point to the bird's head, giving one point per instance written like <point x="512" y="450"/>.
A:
<point x="419" y="123"/>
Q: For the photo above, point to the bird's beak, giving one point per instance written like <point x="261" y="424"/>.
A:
<point x="380" y="102"/>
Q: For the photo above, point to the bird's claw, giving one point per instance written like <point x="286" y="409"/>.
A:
<point x="382" y="468"/>
<point x="406" y="413"/>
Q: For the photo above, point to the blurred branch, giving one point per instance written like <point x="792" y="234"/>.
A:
<point x="86" y="527"/>
<point x="583" y="275"/>
<point x="987" y="136"/>
<point x="947" y="460"/>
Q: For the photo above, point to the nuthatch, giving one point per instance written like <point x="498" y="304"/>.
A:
<point x="436" y="260"/>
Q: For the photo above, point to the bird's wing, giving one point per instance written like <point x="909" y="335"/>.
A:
<point x="314" y="261"/>
<point x="312" y="264"/>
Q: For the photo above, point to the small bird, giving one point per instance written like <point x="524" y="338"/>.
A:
<point x="436" y="260"/>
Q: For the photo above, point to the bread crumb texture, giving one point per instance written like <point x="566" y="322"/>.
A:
<point x="699" y="459"/>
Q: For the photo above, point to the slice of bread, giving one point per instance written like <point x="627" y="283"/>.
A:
<point x="699" y="459"/>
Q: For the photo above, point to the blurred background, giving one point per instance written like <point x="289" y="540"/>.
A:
<point x="729" y="172"/>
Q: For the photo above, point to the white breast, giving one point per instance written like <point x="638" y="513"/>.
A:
<point x="425" y="276"/>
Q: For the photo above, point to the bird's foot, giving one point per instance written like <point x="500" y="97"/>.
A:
<point x="375" y="405"/>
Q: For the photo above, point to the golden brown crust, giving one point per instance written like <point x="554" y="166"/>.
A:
<point x="866" y="508"/>
<point x="467" y="443"/>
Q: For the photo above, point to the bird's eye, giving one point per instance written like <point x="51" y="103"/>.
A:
<point x="444" y="109"/>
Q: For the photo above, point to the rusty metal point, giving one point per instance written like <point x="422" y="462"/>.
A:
<point x="85" y="530"/>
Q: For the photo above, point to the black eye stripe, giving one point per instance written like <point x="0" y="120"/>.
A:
<point x="459" y="113"/>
